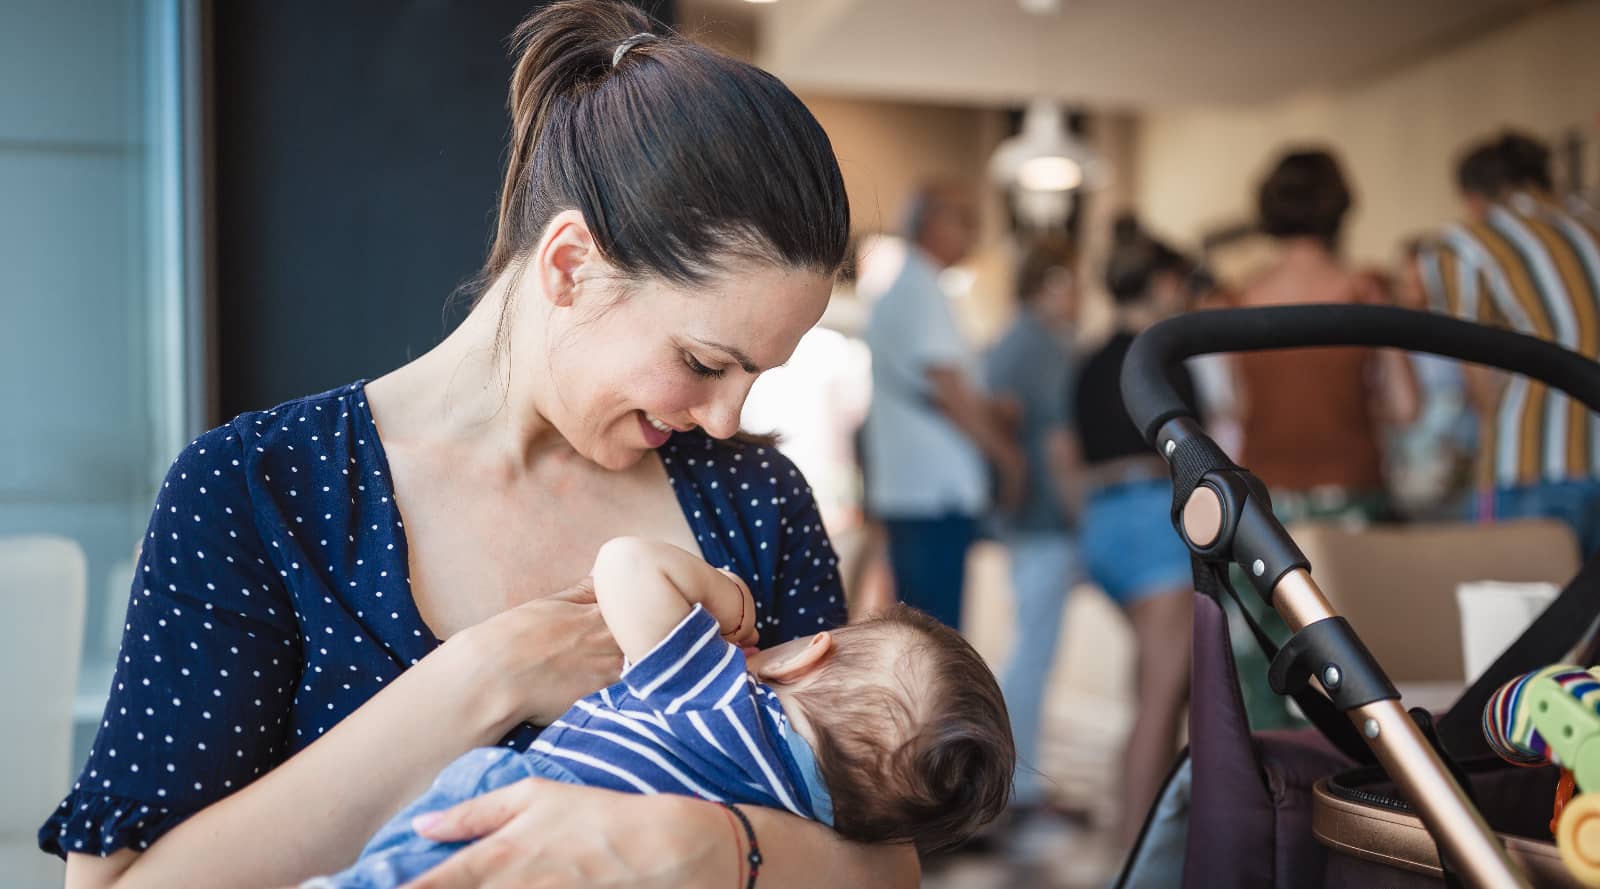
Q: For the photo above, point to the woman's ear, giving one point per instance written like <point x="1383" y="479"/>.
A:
<point x="793" y="667"/>
<point x="560" y="258"/>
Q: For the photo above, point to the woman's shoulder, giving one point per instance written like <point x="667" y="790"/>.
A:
<point x="313" y="422"/>
<point x="262" y="451"/>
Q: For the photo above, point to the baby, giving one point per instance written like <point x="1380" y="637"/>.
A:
<point x="890" y="730"/>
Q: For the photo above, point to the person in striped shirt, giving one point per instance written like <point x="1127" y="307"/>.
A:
<point x="889" y="730"/>
<point x="1523" y="262"/>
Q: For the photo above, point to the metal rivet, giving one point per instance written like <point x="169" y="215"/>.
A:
<point x="1171" y="446"/>
<point x="1370" y="728"/>
<point x="1258" y="568"/>
<point x="1331" y="677"/>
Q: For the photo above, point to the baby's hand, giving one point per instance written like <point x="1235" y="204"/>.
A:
<point x="739" y="627"/>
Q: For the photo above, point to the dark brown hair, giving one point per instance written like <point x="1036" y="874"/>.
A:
<point x="1304" y="196"/>
<point x="950" y="771"/>
<point x="1041" y="259"/>
<point x="1511" y="160"/>
<point x="678" y="157"/>
<point x="1136" y="259"/>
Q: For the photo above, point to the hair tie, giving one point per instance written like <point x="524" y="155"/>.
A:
<point x="630" y="43"/>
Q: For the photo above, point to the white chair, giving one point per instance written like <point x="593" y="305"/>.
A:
<point x="43" y="587"/>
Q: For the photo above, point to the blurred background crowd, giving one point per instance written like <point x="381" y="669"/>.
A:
<point x="184" y="185"/>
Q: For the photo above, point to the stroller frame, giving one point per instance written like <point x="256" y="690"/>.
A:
<point x="1224" y="515"/>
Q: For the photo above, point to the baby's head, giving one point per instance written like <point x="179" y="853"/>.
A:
<point x="908" y="724"/>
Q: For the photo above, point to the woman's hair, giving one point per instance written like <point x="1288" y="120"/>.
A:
<point x="678" y="157"/>
<point x="1135" y="261"/>
<point x="929" y="765"/>
<point x="1042" y="258"/>
<point x="1304" y="196"/>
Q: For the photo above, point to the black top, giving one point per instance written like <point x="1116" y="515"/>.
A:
<point x="1104" y="428"/>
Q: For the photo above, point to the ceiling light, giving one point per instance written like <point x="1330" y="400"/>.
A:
<point x="1050" y="173"/>
<point x="1044" y="164"/>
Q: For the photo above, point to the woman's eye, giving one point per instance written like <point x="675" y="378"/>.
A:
<point x="700" y="369"/>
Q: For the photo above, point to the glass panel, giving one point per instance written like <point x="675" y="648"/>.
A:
<point x="95" y="349"/>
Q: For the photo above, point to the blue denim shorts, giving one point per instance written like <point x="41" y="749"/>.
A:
<point x="1130" y="548"/>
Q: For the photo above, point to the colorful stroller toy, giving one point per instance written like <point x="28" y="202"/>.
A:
<point x="1553" y="716"/>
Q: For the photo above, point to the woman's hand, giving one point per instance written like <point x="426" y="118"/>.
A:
<point x="551" y="835"/>
<point x="538" y="658"/>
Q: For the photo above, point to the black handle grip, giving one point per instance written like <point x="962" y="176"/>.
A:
<point x="1152" y="401"/>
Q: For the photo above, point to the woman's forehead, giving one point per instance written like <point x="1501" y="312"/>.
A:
<point x="756" y="318"/>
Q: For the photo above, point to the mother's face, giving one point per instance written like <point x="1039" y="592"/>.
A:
<point x="630" y="364"/>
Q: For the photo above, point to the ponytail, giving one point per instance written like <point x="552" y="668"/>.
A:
<point x="678" y="157"/>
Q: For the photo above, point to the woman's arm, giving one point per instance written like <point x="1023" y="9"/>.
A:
<point x="797" y="853"/>
<point x="562" y="836"/>
<point x="313" y="813"/>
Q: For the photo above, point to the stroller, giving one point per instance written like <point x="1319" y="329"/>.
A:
<point x="1373" y="795"/>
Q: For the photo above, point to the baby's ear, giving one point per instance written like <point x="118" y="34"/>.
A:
<point x="801" y="663"/>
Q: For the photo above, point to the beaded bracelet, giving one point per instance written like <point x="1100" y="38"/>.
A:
<point x="754" y="858"/>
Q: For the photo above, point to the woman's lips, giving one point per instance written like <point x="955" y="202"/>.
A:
<point x="653" y="437"/>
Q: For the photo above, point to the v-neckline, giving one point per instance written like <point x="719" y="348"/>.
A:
<point x="676" y="480"/>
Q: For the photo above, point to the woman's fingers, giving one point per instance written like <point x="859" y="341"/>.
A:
<point x="470" y="868"/>
<point x="479" y="816"/>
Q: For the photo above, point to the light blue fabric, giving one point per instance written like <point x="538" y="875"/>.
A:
<point x="805" y="760"/>
<point x="1044" y="567"/>
<point x="1034" y="366"/>
<point x="1129" y="545"/>
<point x="397" y="854"/>
<point x="918" y="464"/>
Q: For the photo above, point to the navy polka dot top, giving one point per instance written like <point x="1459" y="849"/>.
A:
<point x="271" y="600"/>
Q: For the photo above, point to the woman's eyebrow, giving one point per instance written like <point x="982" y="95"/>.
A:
<point x="737" y="355"/>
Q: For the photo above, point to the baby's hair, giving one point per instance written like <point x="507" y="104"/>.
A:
<point x="928" y="765"/>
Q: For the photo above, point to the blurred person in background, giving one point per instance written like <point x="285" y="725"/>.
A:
<point x="1129" y="547"/>
<point x="1031" y="367"/>
<point x="1522" y="262"/>
<point x="1313" y="419"/>
<point x="1430" y="461"/>
<point x="931" y="434"/>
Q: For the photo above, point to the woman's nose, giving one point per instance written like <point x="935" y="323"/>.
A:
<point x="720" y="417"/>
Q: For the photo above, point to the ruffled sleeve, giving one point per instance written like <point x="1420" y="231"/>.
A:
<point x="206" y="675"/>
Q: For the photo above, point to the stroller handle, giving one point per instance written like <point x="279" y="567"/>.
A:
<point x="1152" y="401"/>
<point x="1249" y="534"/>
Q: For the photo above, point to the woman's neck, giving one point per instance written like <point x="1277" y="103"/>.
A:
<point x="469" y="391"/>
<point x="1306" y="251"/>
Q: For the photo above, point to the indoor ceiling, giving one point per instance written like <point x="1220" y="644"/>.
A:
<point x="1106" y="53"/>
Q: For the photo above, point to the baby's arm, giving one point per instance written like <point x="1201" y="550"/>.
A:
<point x="646" y="588"/>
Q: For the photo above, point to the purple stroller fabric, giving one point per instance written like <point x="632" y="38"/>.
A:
<point x="1250" y="815"/>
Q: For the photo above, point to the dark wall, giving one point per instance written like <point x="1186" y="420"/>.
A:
<point x="358" y="151"/>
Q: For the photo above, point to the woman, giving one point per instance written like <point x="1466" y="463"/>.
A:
<point x="669" y="226"/>
<point x="1029" y="369"/>
<point x="1129" y="547"/>
<point x="1313" y="418"/>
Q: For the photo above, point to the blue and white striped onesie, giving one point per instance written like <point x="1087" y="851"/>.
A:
<point x="688" y="718"/>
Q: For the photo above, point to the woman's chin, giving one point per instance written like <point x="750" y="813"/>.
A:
<point x="616" y="457"/>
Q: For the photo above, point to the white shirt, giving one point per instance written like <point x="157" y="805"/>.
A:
<point x="918" y="464"/>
